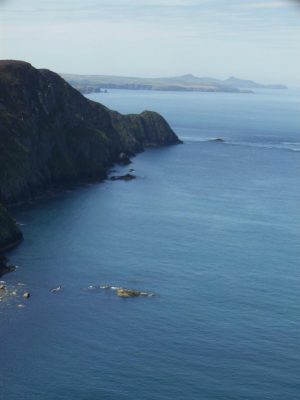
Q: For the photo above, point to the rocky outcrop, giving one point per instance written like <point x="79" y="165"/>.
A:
<point x="126" y="177"/>
<point x="125" y="293"/>
<point x="51" y="135"/>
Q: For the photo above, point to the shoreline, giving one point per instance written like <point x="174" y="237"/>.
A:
<point x="56" y="190"/>
<point x="54" y="138"/>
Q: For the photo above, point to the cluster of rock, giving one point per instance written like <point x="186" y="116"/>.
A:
<point x="12" y="294"/>
<point x="15" y="293"/>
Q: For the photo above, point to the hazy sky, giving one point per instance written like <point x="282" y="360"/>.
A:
<point x="256" y="39"/>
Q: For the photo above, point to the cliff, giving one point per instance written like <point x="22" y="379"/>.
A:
<point x="10" y="234"/>
<point x="51" y="135"/>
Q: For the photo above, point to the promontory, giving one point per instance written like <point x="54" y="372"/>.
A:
<point x="52" y="136"/>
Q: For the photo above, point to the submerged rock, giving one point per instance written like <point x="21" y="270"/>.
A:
<point x="217" y="140"/>
<point x="55" y="290"/>
<point x="126" y="177"/>
<point x="122" y="292"/>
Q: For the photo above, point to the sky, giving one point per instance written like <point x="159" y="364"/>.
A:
<point x="250" y="39"/>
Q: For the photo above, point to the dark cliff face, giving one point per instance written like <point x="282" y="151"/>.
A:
<point x="10" y="234"/>
<point x="52" y="135"/>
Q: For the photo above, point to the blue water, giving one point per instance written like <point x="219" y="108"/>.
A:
<point x="213" y="229"/>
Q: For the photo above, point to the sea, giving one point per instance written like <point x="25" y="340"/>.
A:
<point x="210" y="228"/>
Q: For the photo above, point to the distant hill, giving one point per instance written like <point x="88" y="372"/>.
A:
<point x="189" y="82"/>
<point x="243" y="83"/>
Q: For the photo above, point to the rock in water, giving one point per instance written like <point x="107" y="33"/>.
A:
<point x="131" y="293"/>
<point x="126" y="177"/>
<point x="55" y="290"/>
<point x="127" y="293"/>
<point x="121" y="292"/>
<point x="26" y="295"/>
<point x="217" y="140"/>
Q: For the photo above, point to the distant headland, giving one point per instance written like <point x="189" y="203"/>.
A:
<point x="96" y="83"/>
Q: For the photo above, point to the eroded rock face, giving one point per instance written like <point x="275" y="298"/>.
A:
<point x="51" y="135"/>
<point x="10" y="235"/>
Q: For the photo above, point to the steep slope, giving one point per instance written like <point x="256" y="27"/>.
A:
<point x="10" y="234"/>
<point x="51" y="135"/>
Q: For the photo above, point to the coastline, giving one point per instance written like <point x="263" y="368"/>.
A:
<point x="50" y="192"/>
<point x="54" y="138"/>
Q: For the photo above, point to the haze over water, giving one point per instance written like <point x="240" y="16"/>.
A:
<point x="211" y="228"/>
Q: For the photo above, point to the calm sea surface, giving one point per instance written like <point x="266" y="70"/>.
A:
<point x="213" y="229"/>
